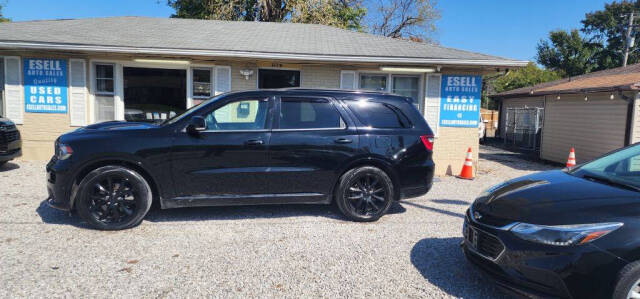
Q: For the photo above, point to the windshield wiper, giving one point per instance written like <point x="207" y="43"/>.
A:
<point x="611" y="182"/>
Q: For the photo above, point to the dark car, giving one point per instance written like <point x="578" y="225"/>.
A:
<point x="10" y="142"/>
<point x="361" y="150"/>
<point x="571" y="233"/>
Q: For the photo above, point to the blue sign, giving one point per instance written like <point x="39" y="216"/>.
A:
<point x="45" y="85"/>
<point x="460" y="103"/>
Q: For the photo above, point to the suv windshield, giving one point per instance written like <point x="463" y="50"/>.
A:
<point x="188" y="111"/>
<point x="620" y="168"/>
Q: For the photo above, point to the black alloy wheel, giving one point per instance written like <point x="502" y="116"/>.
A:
<point x="113" y="197"/>
<point x="364" y="193"/>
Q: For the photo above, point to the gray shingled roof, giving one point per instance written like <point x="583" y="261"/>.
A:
<point x="241" y="37"/>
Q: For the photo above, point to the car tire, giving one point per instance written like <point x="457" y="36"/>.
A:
<point x="113" y="198"/>
<point x="364" y="194"/>
<point x="628" y="279"/>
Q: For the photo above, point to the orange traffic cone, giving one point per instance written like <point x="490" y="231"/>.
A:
<point x="572" y="158"/>
<point x="467" y="167"/>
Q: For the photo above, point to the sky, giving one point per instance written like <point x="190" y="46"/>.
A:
<point x="508" y="28"/>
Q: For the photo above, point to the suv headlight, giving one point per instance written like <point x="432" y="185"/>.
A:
<point x="563" y="235"/>
<point x="64" y="151"/>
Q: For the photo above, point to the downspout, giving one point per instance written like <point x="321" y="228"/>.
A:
<point x="630" y="119"/>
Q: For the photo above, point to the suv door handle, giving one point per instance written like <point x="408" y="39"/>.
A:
<point x="343" y="140"/>
<point x="254" y="142"/>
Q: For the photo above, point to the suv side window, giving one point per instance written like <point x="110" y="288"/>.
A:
<point x="309" y="113"/>
<point x="378" y="115"/>
<point x="246" y="114"/>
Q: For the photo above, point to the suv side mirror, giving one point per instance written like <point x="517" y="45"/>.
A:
<point x="196" y="124"/>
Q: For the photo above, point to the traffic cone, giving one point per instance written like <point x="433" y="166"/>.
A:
<point x="572" y="158"/>
<point x="467" y="167"/>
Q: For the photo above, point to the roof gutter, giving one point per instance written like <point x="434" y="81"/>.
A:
<point x="566" y="91"/>
<point x="260" y="55"/>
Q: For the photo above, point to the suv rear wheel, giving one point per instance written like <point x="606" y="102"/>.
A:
<point x="113" y="198"/>
<point x="364" y="194"/>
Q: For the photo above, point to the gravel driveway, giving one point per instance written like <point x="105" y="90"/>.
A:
<point x="261" y="251"/>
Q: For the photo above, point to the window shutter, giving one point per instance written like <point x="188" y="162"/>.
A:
<point x="432" y="102"/>
<point x="348" y="80"/>
<point x="13" y="89"/>
<point x="78" y="91"/>
<point x="223" y="79"/>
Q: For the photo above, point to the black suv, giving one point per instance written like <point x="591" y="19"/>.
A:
<point x="361" y="150"/>
<point x="10" y="143"/>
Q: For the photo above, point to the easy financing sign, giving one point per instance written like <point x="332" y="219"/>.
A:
<point x="45" y="85"/>
<point x="460" y="103"/>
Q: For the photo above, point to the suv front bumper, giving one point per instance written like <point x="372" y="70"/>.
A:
<point x="59" y="184"/>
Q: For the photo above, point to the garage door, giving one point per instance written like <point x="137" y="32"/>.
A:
<point x="527" y="102"/>
<point x="593" y="127"/>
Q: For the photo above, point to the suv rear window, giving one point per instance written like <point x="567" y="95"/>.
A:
<point x="302" y="113"/>
<point x="379" y="115"/>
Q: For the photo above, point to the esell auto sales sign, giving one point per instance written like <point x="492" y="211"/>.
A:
<point x="45" y="85"/>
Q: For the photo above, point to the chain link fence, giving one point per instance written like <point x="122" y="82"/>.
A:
<point x="523" y="128"/>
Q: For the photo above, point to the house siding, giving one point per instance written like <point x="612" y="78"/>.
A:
<point x="592" y="127"/>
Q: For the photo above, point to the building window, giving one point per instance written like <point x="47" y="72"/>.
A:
<point x="296" y="113"/>
<point x="202" y="83"/>
<point x="268" y="78"/>
<point x="408" y="86"/>
<point x="377" y="82"/>
<point x="104" y="79"/>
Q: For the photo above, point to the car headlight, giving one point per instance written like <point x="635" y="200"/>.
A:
<point x="64" y="151"/>
<point x="563" y="235"/>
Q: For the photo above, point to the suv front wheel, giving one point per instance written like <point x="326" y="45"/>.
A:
<point x="364" y="194"/>
<point x="113" y="198"/>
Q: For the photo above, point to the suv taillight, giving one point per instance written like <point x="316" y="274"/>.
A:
<point x="427" y="140"/>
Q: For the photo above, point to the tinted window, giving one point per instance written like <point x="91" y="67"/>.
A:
<point x="239" y="115"/>
<point x="378" y="115"/>
<point x="278" y="78"/>
<point x="296" y="113"/>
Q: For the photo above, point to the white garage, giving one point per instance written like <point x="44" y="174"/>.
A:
<point x="594" y="113"/>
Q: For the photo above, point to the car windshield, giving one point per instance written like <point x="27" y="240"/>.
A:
<point x="620" y="169"/>
<point x="190" y="110"/>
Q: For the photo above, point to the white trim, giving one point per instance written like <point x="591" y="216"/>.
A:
<point x="118" y="97"/>
<point x="263" y="55"/>
<point x="218" y="90"/>
<point x="18" y="89"/>
<point x="434" y="127"/>
<point x="80" y="90"/>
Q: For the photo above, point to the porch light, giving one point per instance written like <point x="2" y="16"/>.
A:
<point x="246" y="73"/>
<point x="407" y="69"/>
<point x="161" y="61"/>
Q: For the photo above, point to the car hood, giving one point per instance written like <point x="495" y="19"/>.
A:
<point x="119" y="125"/>
<point x="554" y="198"/>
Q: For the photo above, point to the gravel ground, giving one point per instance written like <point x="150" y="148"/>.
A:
<point x="261" y="251"/>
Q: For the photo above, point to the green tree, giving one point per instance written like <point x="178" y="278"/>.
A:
<point x="337" y="13"/>
<point x="526" y="76"/>
<point x="568" y="53"/>
<point x="607" y="28"/>
<point x="345" y="14"/>
<point x="2" y="18"/>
